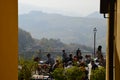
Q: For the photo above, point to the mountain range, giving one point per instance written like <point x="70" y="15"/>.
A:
<point x="66" y="28"/>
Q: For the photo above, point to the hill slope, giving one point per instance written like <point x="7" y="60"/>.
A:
<point x="28" y="46"/>
<point x="68" y="29"/>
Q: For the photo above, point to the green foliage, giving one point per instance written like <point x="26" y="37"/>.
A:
<point x="59" y="74"/>
<point x="28" y="66"/>
<point x="98" y="74"/>
<point x="73" y="73"/>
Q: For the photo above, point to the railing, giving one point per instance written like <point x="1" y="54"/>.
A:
<point x="54" y="54"/>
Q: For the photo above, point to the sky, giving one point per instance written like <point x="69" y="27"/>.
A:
<point x="76" y="8"/>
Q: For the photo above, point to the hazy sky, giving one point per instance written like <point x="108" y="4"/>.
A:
<point x="65" y="7"/>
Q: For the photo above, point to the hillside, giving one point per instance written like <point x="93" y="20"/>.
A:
<point x="28" y="46"/>
<point x="77" y="30"/>
<point x="25" y="40"/>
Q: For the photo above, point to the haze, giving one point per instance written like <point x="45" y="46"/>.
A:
<point x="77" y="8"/>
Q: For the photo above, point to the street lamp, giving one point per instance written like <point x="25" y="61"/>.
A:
<point x="94" y="30"/>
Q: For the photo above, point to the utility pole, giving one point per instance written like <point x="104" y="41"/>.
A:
<point x="94" y="30"/>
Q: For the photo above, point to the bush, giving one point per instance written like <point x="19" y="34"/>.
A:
<point x="98" y="74"/>
<point x="59" y="74"/>
<point x="73" y="73"/>
<point x="28" y="66"/>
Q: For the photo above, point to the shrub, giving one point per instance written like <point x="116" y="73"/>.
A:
<point x="28" y="66"/>
<point x="58" y="74"/>
<point x="98" y="74"/>
<point x="72" y="73"/>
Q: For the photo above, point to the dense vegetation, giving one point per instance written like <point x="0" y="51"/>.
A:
<point x="28" y="68"/>
<point x="98" y="74"/>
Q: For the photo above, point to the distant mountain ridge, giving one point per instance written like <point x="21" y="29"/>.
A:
<point x="67" y="29"/>
<point x="95" y="15"/>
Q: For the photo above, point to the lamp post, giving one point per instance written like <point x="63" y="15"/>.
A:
<point x="94" y="30"/>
